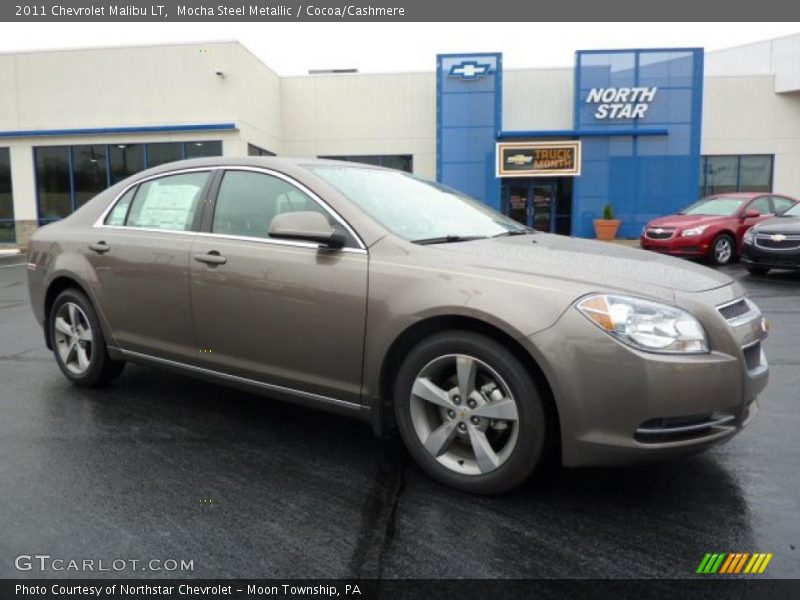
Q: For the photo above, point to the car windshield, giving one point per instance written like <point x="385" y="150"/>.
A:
<point x="794" y="211"/>
<point x="720" y="206"/>
<point x="415" y="209"/>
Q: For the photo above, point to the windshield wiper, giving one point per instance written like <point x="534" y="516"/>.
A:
<point x="447" y="239"/>
<point x="516" y="232"/>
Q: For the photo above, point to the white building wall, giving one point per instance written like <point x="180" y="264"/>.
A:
<point x="744" y="115"/>
<point x="536" y="99"/>
<point x="357" y="114"/>
<point x="190" y="84"/>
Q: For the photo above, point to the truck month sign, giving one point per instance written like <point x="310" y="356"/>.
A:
<point x="538" y="159"/>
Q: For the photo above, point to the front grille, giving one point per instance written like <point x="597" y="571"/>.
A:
<point x="778" y="241"/>
<point x="735" y="310"/>
<point x="660" y="233"/>
<point x="673" y="429"/>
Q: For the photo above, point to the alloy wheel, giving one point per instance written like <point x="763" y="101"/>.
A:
<point x="464" y="414"/>
<point x="73" y="337"/>
<point x="723" y="250"/>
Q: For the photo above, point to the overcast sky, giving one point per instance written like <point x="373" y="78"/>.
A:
<point x="294" y="48"/>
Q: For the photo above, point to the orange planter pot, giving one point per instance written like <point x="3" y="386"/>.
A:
<point x="606" y="229"/>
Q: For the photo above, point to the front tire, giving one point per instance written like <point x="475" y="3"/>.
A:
<point x="78" y="342"/>
<point x="723" y="250"/>
<point x="470" y="413"/>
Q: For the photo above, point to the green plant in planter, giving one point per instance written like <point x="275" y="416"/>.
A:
<point x="608" y="212"/>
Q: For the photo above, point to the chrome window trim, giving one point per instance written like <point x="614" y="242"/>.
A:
<point x="236" y="378"/>
<point x="362" y="249"/>
<point x="277" y="242"/>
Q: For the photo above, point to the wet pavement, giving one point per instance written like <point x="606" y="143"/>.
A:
<point x="159" y="466"/>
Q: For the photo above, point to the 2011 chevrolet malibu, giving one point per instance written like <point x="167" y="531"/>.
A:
<point x="366" y="291"/>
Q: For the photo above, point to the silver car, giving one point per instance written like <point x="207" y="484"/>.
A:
<point x="375" y="294"/>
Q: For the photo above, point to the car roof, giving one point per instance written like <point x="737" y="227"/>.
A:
<point x="278" y="163"/>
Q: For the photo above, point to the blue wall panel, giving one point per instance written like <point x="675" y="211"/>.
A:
<point x="468" y="105"/>
<point x="641" y="176"/>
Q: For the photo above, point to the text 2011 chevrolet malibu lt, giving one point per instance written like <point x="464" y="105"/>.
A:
<point x="375" y="294"/>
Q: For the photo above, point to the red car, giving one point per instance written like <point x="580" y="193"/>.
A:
<point x="712" y="228"/>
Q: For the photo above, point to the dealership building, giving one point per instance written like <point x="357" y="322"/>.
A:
<point x="645" y="130"/>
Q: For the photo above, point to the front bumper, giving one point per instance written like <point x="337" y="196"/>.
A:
<point x="772" y="259"/>
<point x="693" y="247"/>
<point x="617" y="405"/>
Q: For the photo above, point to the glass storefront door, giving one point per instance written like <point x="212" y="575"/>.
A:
<point x="543" y="197"/>
<point x="530" y="202"/>
<point x="517" y="205"/>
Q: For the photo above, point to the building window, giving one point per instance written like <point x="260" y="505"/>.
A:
<point x="126" y="160"/>
<point x="256" y="151"/>
<point x="6" y="198"/>
<point x="159" y="154"/>
<point x="89" y="172"/>
<point x="201" y="149"/>
<point x="53" y="182"/>
<point x="736" y="173"/>
<point x="69" y="176"/>
<point x="401" y="162"/>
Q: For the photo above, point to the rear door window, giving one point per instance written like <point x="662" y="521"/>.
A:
<point x="170" y="203"/>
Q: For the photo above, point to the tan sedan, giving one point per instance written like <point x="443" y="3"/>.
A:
<point x="376" y="294"/>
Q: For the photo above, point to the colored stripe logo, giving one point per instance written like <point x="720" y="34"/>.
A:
<point x="734" y="563"/>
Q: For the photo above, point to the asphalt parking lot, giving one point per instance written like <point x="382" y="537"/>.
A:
<point x="159" y="466"/>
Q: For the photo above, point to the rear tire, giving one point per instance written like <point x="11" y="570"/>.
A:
<point x="78" y="342"/>
<point x="758" y="271"/>
<point x="487" y="443"/>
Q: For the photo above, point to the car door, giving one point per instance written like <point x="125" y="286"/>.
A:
<point x="139" y="254"/>
<point x="286" y="313"/>
<point x="781" y="203"/>
<point x="763" y="206"/>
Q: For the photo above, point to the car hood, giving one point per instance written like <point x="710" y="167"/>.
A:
<point x="596" y="265"/>
<point x="685" y="221"/>
<point x="790" y="225"/>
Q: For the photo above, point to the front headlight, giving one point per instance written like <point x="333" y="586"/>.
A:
<point x="644" y="324"/>
<point x="749" y="236"/>
<point x="694" y="231"/>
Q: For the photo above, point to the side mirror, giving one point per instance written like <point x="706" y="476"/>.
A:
<point x="751" y="214"/>
<point x="308" y="226"/>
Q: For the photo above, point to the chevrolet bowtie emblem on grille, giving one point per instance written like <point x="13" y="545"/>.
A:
<point x="470" y="69"/>
<point x="658" y="230"/>
<point x="778" y="237"/>
<point x="520" y="159"/>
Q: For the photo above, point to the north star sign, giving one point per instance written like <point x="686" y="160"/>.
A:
<point x="621" y="103"/>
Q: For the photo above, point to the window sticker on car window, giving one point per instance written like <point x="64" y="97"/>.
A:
<point x="168" y="206"/>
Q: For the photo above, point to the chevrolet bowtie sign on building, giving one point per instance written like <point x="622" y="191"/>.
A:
<point x="470" y="69"/>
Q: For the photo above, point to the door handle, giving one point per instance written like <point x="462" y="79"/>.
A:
<point x="100" y="247"/>
<point x="212" y="258"/>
